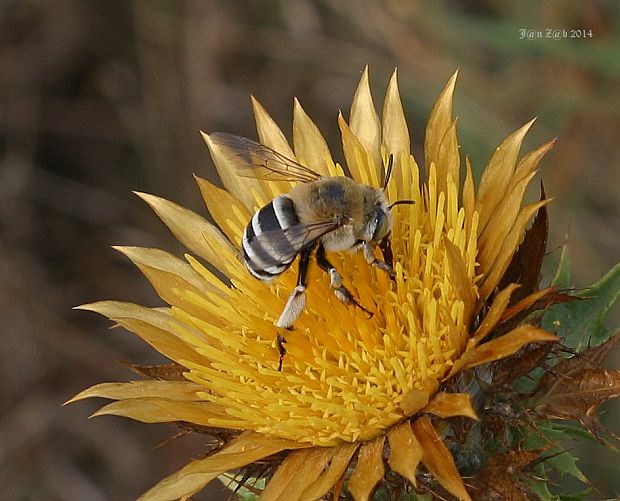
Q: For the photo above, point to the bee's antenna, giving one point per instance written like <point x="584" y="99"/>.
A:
<point x="402" y="202"/>
<point x="388" y="175"/>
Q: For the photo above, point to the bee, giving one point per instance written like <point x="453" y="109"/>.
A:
<point x="321" y="214"/>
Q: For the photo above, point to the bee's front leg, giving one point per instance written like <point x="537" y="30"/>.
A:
<point x="369" y="255"/>
<point x="335" y="281"/>
<point x="386" y="248"/>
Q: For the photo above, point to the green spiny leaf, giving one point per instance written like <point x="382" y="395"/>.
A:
<point x="583" y="322"/>
<point x="564" y="462"/>
<point x="539" y="487"/>
<point x="574" y="431"/>
<point x="562" y="278"/>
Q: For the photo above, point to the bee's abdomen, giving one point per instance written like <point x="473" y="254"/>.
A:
<point x="266" y="250"/>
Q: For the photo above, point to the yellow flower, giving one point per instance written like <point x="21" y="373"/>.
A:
<point x="348" y="382"/>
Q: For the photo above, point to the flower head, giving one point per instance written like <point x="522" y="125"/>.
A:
<point x="353" y="390"/>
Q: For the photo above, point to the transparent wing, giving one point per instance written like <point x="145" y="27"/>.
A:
<point x="285" y="244"/>
<point x="251" y="159"/>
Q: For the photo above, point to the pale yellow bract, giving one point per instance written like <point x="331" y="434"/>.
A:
<point x="348" y="381"/>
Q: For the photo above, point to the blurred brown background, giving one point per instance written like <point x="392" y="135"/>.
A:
<point x="99" y="98"/>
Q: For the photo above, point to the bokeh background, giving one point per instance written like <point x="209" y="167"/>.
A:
<point x="102" y="97"/>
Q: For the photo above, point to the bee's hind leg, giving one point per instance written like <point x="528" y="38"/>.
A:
<point x="297" y="300"/>
<point x="280" y="340"/>
<point x="295" y="303"/>
<point x="335" y="281"/>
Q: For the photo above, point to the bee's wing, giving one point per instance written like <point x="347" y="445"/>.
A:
<point x="251" y="159"/>
<point x="285" y="244"/>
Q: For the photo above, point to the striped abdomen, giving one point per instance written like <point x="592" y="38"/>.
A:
<point x="267" y="251"/>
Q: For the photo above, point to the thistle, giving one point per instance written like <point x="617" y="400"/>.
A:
<point x="426" y="396"/>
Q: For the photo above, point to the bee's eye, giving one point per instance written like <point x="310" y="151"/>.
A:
<point x="380" y="225"/>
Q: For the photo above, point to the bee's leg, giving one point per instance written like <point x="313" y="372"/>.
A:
<point x="369" y="255"/>
<point x="281" y="350"/>
<point x="386" y="248"/>
<point x="297" y="300"/>
<point x="335" y="281"/>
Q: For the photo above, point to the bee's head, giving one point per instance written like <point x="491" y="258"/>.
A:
<point x="381" y="223"/>
<point x="378" y="221"/>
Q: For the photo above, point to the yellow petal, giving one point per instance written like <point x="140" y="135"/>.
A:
<point x="228" y="212"/>
<point x="491" y="239"/>
<point x="440" y="142"/>
<point x="526" y="302"/>
<point x="180" y="273"/>
<point x="271" y="135"/>
<point x="446" y="405"/>
<point x="310" y="147"/>
<point x="405" y="451"/>
<point x="156" y="327"/>
<point x="193" y="231"/>
<point x="244" y="450"/>
<point x="364" y="122"/>
<point x="459" y="363"/>
<point x="341" y="457"/>
<point x="497" y="309"/>
<point x="530" y="161"/>
<point x="437" y="458"/>
<point x="497" y="175"/>
<point x="354" y="153"/>
<point x="171" y="277"/>
<point x="248" y="190"/>
<point x="296" y="473"/>
<point x="162" y="410"/>
<point x="461" y="283"/>
<point x="395" y="130"/>
<point x="509" y="247"/>
<point x="507" y="345"/>
<point x="369" y="469"/>
<point x="448" y="160"/>
<point x="173" y="390"/>
<point x="415" y="399"/>
<point x="468" y="196"/>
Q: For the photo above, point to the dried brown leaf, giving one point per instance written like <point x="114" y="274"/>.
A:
<point x="576" y="396"/>
<point x="590" y="358"/>
<point x="596" y="355"/>
<point x="521" y="363"/>
<point x="498" y="479"/>
<point x="166" y="372"/>
<point x="578" y="385"/>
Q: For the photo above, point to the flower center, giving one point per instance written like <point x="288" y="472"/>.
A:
<point x="347" y="377"/>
